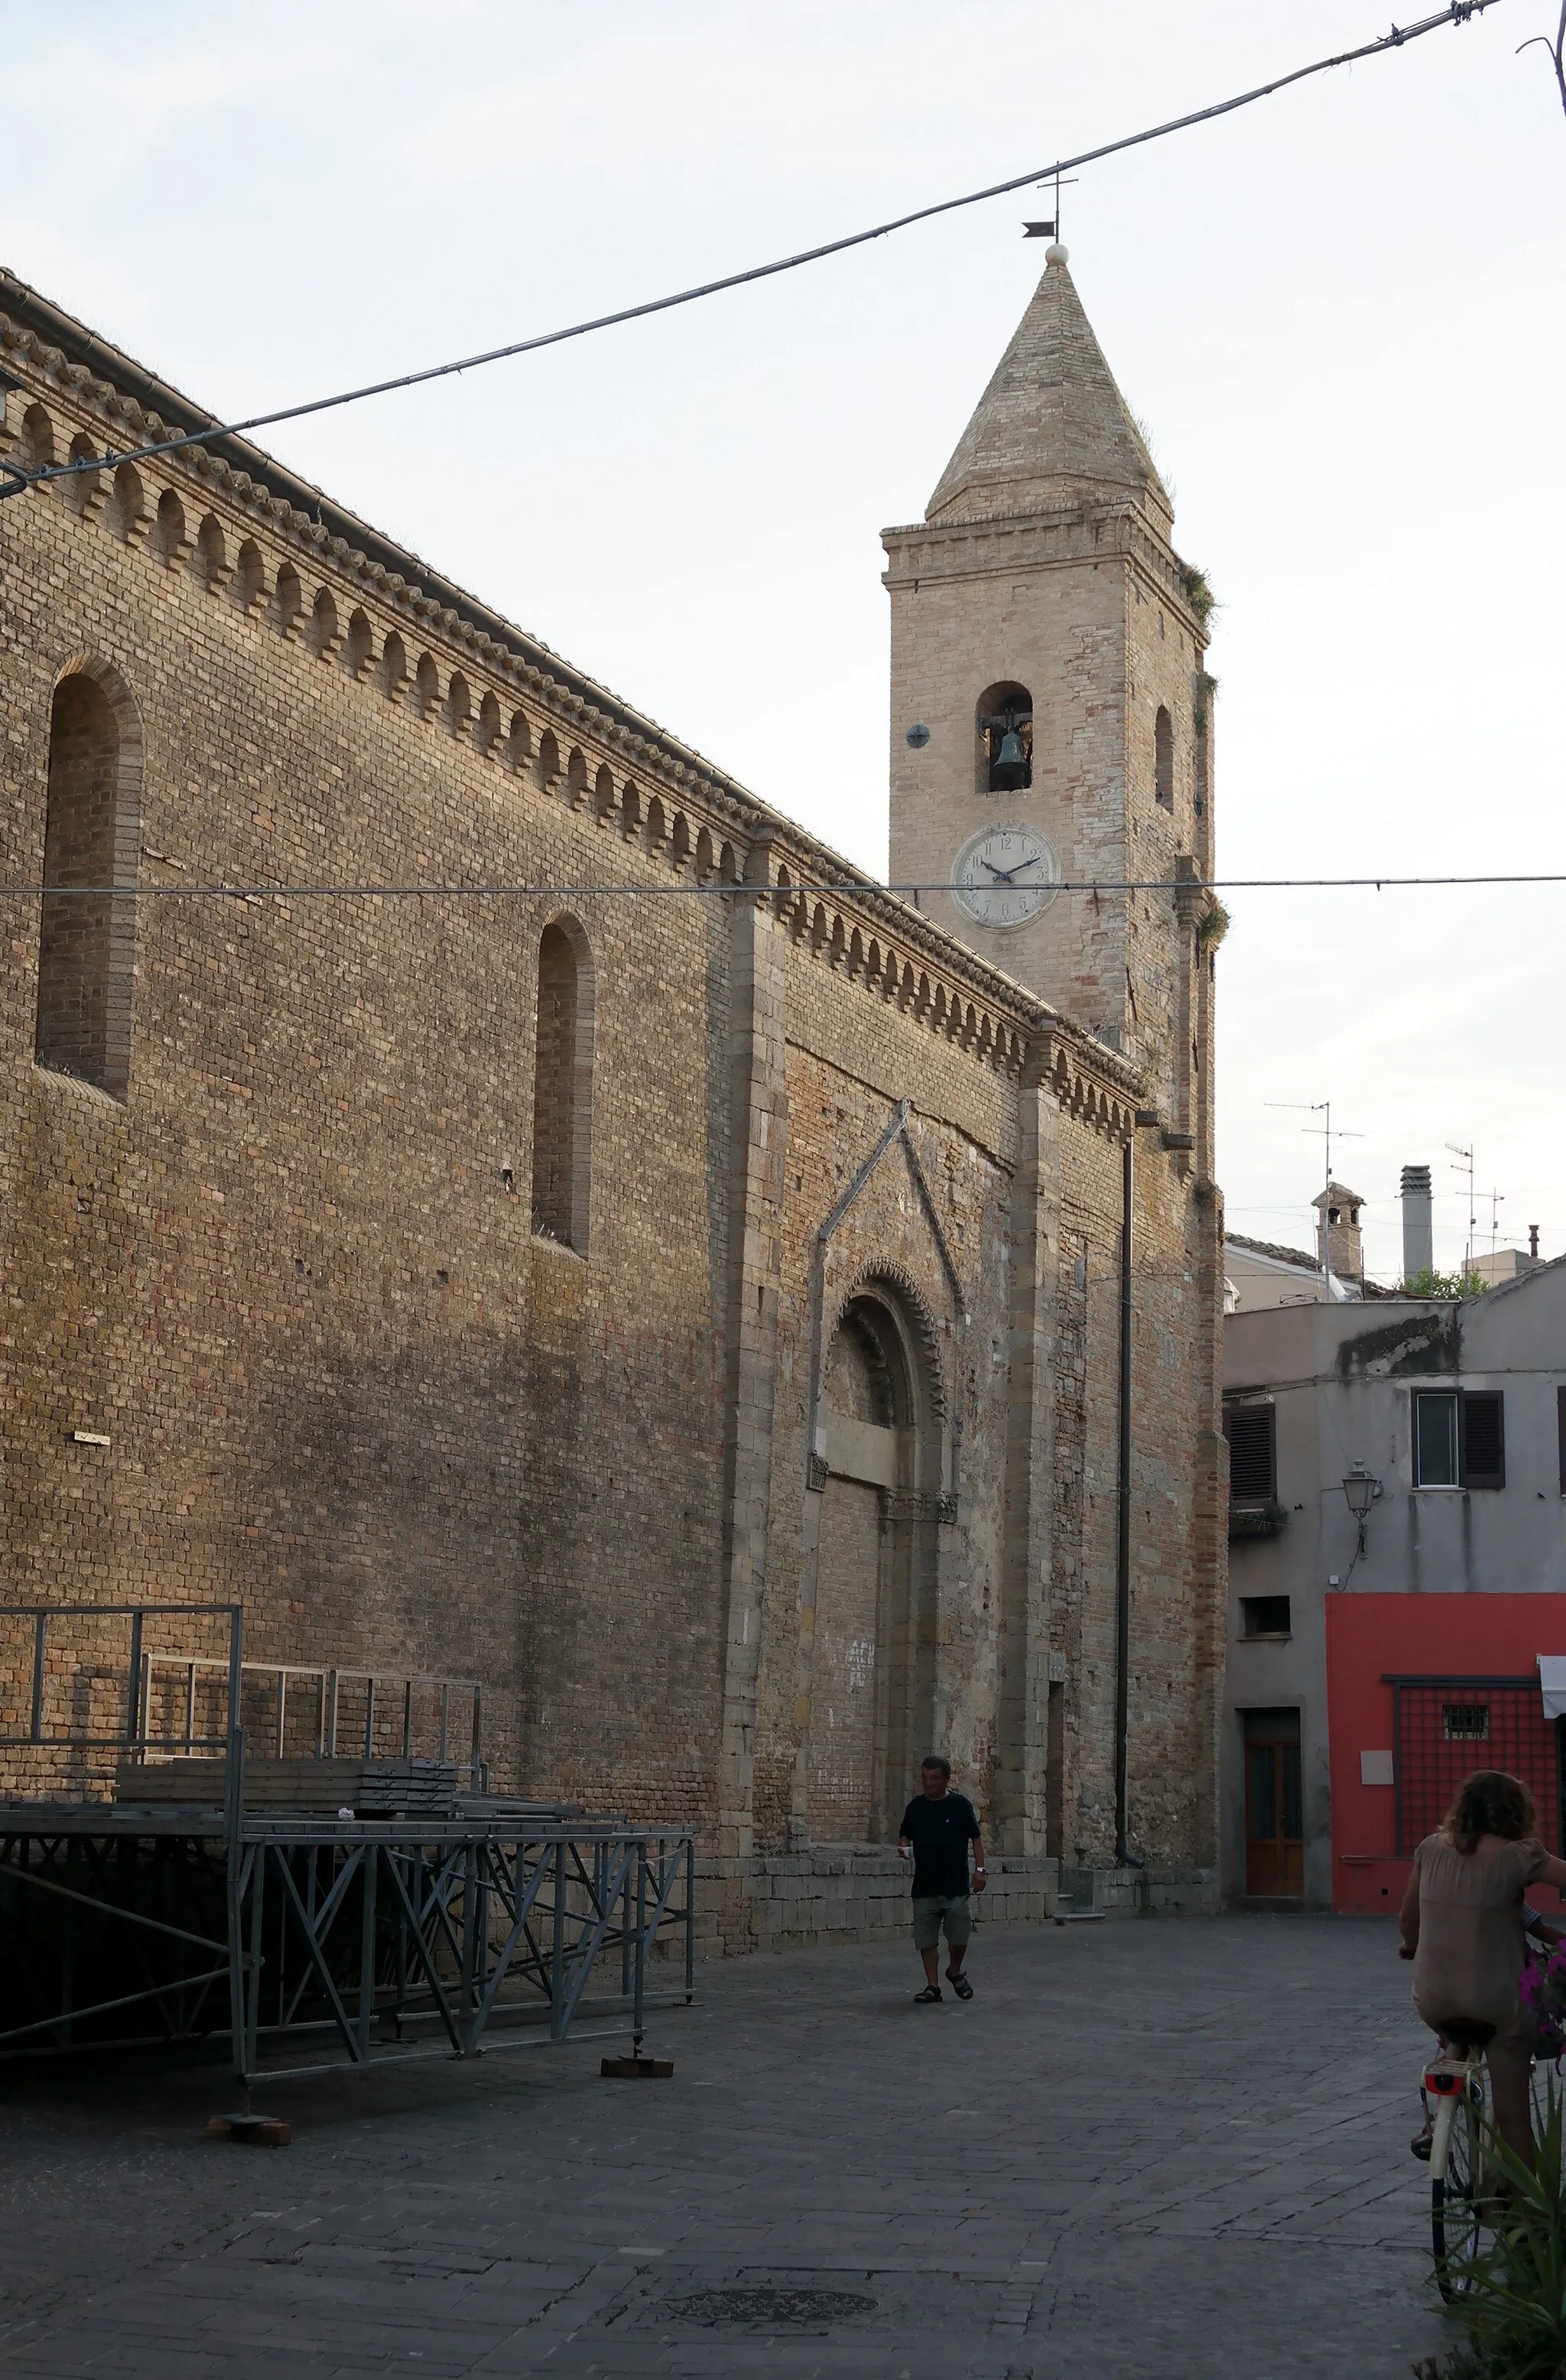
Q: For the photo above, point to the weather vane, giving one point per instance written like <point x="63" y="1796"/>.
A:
<point x="1051" y="230"/>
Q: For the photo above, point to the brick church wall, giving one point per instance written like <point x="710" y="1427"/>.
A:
<point x="286" y="1264"/>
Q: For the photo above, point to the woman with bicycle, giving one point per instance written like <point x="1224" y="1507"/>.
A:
<point x="1462" y="1925"/>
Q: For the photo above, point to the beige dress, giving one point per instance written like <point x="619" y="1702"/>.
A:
<point x="1470" y="1953"/>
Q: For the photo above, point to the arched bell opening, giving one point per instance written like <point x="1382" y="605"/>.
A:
<point x="1005" y="739"/>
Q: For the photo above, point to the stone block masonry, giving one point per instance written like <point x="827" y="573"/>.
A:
<point x="690" y="1311"/>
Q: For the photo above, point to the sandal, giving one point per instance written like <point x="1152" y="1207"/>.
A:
<point x="960" y="1985"/>
<point x="930" y="1992"/>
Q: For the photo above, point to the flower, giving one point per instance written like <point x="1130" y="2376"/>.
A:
<point x="1542" y="1991"/>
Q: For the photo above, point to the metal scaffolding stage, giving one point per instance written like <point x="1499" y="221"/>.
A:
<point x="322" y="1912"/>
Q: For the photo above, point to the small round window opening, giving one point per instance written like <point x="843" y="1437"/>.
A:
<point x="1005" y="739"/>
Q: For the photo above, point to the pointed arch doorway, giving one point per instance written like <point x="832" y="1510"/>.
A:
<point x="870" y="1656"/>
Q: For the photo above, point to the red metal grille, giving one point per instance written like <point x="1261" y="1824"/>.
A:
<point x="1445" y="1728"/>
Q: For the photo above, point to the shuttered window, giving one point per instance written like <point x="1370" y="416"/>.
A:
<point x="1483" y="1439"/>
<point x="1458" y="1439"/>
<point x="1253" y="1453"/>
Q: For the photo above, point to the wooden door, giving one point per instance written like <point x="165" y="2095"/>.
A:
<point x="1274" y="1807"/>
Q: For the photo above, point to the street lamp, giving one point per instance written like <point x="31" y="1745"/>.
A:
<point x="1360" y="1488"/>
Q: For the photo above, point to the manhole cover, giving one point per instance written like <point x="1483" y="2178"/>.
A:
<point x="769" y="2309"/>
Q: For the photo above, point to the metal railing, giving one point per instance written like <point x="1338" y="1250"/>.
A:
<point x="42" y="1616"/>
<point x="332" y="1689"/>
<point x="391" y="1713"/>
<point x="309" y="1923"/>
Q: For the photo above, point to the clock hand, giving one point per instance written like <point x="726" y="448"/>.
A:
<point x="1002" y="875"/>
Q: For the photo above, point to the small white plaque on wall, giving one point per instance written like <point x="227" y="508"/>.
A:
<point x="1375" y="1767"/>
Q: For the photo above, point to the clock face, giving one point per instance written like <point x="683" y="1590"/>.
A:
<point x="1005" y="875"/>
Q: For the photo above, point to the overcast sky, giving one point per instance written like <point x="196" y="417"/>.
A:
<point x="1339" y="313"/>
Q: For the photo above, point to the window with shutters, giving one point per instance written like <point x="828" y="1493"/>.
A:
<point x="1252" y="1455"/>
<point x="1459" y="1437"/>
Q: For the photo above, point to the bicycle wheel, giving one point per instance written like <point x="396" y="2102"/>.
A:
<point x="1455" y="2201"/>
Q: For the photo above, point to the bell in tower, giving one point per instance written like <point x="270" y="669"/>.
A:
<point x="1005" y="730"/>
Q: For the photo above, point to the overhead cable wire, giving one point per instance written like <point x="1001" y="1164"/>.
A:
<point x="854" y="888"/>
<point x="14" y="482"/>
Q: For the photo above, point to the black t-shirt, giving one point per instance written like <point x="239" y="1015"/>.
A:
<point x="940" y="1833"/>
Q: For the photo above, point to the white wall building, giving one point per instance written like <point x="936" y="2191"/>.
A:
<point x="1372" y="1664"/>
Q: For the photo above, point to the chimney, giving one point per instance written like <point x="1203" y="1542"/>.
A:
<point x="1418" y="1239"/>
<point x="1337" y="1232"/>
<point x="1534" y="1241"/>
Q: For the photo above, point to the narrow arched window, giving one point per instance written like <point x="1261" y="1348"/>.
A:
<point x="131" y="518"/>
<point x="1163" y="757"/>
<point x="211" y="554"/>
<point x="84" y="491"/>
<point x="563" y="1087"/>
<point x="173" y="544"/>
<point x="87" y="942"/>
<point x="1005" y="739"/>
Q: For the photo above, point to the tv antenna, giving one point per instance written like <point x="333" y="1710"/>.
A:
<point x="1466" y="1155"/>
<point x="1496" y="1199"/>
<point x="1322" y="1108"/>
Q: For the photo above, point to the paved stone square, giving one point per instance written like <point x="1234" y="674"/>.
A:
<point x="1144" y="2148"/>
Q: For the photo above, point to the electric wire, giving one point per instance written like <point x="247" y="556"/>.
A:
<point x="855" y="888"/>
<point x="15" y="482"/>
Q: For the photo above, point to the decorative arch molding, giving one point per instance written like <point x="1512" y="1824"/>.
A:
<point x="936" y="1496"/>
<point x="88" y="663"/>
<point x="1056" y="1066"/>
<point x="903" y="1294"/>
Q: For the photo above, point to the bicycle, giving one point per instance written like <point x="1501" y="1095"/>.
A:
<point x="1454" y="2078"/>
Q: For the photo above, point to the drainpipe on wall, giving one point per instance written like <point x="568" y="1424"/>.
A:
<point x="1124" y="1856"/>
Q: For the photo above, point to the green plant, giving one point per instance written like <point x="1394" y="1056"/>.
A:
<point x="1266" y="1519"/>
<point x="1213" y="928"/>
<point x="1198" y="594"/>
<point x="1512" y="2315"/>
<point x="1443" y="1284"/>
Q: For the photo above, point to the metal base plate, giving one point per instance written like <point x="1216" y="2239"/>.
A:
<point x="262" y="2132"/>
<point x="626" y="2070"/>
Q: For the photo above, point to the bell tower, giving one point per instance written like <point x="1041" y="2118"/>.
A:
<point x="1051" y="714"/>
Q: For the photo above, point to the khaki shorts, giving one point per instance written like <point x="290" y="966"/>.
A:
<point x="930" y="1916"/>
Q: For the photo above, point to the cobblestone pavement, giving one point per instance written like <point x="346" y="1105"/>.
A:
<point x="1144" y="2148"/>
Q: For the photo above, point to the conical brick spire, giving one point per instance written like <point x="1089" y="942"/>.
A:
<point x="1052" y="428"/>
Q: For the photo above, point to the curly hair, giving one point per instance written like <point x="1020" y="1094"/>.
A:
<point x="1491" y="1803"/>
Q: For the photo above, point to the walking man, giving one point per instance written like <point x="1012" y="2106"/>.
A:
<point x="937" y="1826"/>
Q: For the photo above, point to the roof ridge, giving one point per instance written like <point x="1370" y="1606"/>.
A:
<point x="77" y="357"/>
